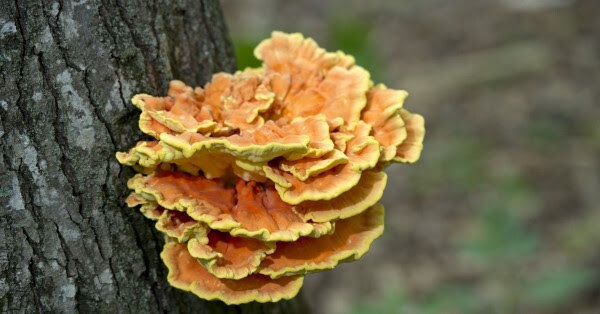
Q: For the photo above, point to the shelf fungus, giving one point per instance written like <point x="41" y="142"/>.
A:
<point x="265" y="175"/>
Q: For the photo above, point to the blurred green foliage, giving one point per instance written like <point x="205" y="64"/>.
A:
<point x="244" y="53"/>
<point x="548" y="289"/>
<point x="555" y="287"/>
<point x="392" y="302"/>
<point x="459" y="160"/>
<point x="546" y="132"/>
<point x="501" y="237"/>
<point x="504" y="246"/>
<point x="451" y="299"/>
<point x="582" y="234"/>
<point x="447" y="300"/>
<point x="353" y="36"/>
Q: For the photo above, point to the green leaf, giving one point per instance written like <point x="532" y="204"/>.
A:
<point x="392" y="302"/>
<point x="452" y="299"/>
<point x="244" y="53"/>
<point x="556" y="287"/>
<point x="352" y="36"/>
<point x="546" y="131"/>
<point x="502" y="238"/>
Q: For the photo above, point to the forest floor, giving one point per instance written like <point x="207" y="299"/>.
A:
<point x="501" y="214"/>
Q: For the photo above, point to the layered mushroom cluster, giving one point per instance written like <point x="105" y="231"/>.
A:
<point x="269" y="174"/>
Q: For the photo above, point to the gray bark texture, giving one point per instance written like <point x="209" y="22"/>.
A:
<point x="67" y="71"/>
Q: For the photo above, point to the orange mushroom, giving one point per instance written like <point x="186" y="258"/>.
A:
<point x="186" y="273"/>
<point x="248" y="209"/>
<point x="382" y="113"/>
<point x="268" y="174"/>
<point x="351" y="240"/>
<point x="226" y="256"/>
<point x="320" y="82"/>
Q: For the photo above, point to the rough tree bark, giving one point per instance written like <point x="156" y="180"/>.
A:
<point x="68" y="70"/>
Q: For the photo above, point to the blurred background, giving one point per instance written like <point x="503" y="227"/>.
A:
<point x="502" y="212"/>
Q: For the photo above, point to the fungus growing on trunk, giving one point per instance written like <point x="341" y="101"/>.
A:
<point x="269" y="174"/>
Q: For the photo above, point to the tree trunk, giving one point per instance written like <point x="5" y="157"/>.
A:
<point x="68" y="70"/>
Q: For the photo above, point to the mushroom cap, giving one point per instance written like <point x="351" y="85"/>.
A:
<point x="351" y="240"/>
<point x="320" y="82"/>
<point x="226" y="256"/>
<point x="267" y="174"/>
<point x="248" y="209"/>
<point x="363" y="195"/>
<point x="186" y="273"/>
<point x="229" y="102"/>
<point x="410" y="149"/>
<point x="383" y="114"/>
<point x="362" y="153"/>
